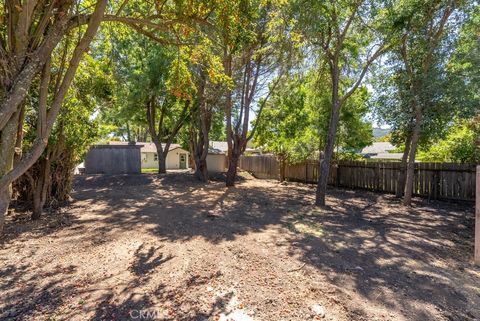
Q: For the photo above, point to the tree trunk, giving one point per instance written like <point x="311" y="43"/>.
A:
<point x="407" y="199"/>
<point x="162" y="163"/>
<point x="7" y="150"/>
<point x="19" y="138"/>
<point x="191" y="149"/>
<point x="37" y="206"/>
<point x="4" y="202"/>
<point x="200" y="153"/>
<point x="41" y="189"/>
<point x="232" y="169"/>
<point x="324" y="169"/>
<point x="201" y="170"/>
<point x="403" y="168"/>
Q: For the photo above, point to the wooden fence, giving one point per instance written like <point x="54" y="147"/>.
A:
<point x="432" y="180"/>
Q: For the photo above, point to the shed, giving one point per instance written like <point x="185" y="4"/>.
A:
<point x="177" y="157"/>
<point x="216" y="160"/>
<point x="113" y="159"/>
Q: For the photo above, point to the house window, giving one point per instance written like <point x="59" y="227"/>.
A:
<point x="155" y="157"/>
<point x="144" y="157"/>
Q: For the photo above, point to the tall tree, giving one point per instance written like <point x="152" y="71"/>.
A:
<point x="210" y="80"/>
<point x="347" y="36"/>
<point x="50" y="178"/>
<point x="147" y="74"/>
<point x="418" y="56"/>
<point x="421" y="92"/>
<point x="251" y="58"/>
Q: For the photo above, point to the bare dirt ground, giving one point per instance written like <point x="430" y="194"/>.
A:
<point x="168" y="248"/>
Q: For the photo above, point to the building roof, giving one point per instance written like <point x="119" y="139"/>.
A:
<point x="216" y="151"/>
<point x="378" y="148"/>
<point x="397" y="156"/>
<point x="220" y="146"/>
<point x="147" y="147"/>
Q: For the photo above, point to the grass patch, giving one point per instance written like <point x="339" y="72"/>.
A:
<point x="309" y="228"/>
<point x="149" y="170"/>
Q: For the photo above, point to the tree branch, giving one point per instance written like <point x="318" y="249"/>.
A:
<point x="262" y="105"/>
<point x="40" y="142"/>
<point x="377" y="54"/>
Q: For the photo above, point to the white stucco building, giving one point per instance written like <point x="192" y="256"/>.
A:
<point x="177" y="157"/>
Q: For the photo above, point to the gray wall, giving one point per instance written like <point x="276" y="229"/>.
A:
<point x="113" y="159"/>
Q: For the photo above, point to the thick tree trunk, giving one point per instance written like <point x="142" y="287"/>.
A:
<point x="201" y="170"/>
<point x="232" y="169"/>
<point x="407" y="199"/>
<point x="4" y="202"/>
<point x="200" y="153"/>
<point x="162" y="163"/>
<point x="7" y="150"/>
<point x="41" y="189"/>
<point x="37" y="206"/>
<point x="403" y="168"/>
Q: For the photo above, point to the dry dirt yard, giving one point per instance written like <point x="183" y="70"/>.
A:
<point x="168" y="248"/>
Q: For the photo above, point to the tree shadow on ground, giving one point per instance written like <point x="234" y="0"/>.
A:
<point x="24" y="294"/>
<point x="147" y="298"/>
<point x="171" y="303"/>
<point x="402" y="259"/>
<point x="177" y="207"/>
<point x="146" y="260"/>
<point x="412" y="261"/>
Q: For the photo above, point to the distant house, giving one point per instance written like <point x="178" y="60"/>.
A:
<point x="223" y="146"/>
<point x="177" y="157"/>
<point x="217" y="160"/>
<point x="381" y="150"/>
<point x="220" y="147"/>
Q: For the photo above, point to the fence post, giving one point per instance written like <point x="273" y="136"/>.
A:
<point x="477" y="218"/>
<point x="337" y="179"/>
<point x="306" y="172"/>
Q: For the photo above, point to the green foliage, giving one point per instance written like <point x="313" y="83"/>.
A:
<point x="460" y="145"/>
<point x="143" y="70"/>
<point x="385" y="138"/>
<point x="92" y="87"/>
<point x="442" y="78"/>
<point x="286" y="128"/>
<point x="294" y="121"/>
<point x="76" y="126"/>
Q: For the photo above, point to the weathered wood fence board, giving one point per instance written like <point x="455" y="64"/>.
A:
<point x="432" y="180"/>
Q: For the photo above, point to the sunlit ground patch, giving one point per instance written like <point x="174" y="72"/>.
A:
<point x="309" y="228"/>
